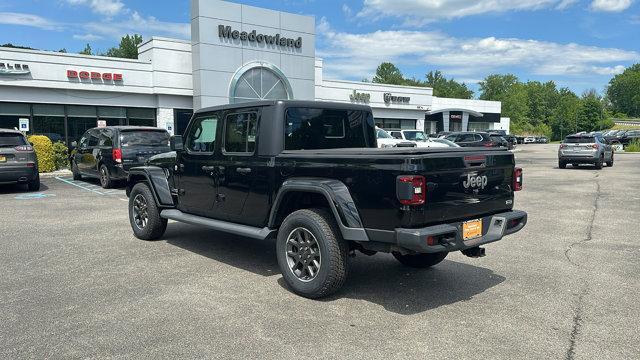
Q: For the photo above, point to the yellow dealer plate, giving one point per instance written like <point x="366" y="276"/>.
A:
<point x="471" y="229"/>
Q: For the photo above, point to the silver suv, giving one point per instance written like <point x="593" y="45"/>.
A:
<point x="18" y="162"/>
<point x="585" y="149"/>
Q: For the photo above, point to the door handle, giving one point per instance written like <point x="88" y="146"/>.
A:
<point x="208" y="168"/>
<point x="243" y="170"/>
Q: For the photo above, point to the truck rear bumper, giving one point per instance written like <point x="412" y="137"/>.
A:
<point x="448" y="237"/>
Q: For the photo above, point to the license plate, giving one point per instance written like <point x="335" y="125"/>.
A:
<point x="471" y="229"/>
<point x="3" y="159"/>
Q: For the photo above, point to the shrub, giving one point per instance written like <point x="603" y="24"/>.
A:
<point x="44" y="150"/>
<point x="60" y="155"/>
<point x="633" y="146"/>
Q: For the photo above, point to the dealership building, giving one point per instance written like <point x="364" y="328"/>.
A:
<point x="237" y="53"/>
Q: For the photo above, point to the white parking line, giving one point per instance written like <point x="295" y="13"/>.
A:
<point x="84" y="186"/>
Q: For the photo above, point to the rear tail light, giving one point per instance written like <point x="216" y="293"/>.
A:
<point x="517" y="179"/>
<point x="23" y="148"/>
<point x="595" y="146"/>
<point x="117" y="155"/>
<point x="562" y="146"/>
<point x="411" y="189"/>
<point x="489" y="144"/>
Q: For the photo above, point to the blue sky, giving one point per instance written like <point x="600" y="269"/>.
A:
<point x="580" y="44"/>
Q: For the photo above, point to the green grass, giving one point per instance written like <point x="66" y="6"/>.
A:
<point x="633" y="147"/>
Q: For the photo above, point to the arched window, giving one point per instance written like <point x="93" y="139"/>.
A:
<point x="259" y="81"/>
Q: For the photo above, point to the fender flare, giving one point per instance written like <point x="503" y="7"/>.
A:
<point x="158" y="181"/>
<point x="337" y="195"/>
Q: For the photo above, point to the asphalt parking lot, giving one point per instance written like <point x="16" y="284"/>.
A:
<point x="75" y="283"/>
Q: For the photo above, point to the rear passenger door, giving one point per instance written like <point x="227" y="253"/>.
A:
<point x="467" y="140"/>
<point x="244" y="175"/>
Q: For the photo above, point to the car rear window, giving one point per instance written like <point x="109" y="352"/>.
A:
<point x="144" y="138"/>
<point x="11" y="140"/>
<point x="496" y="137"/>
<point x="313" y="128"/>
<point x="580" y="140"/>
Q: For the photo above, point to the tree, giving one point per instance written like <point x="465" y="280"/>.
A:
<point x="10" y="45"/>
<point x="63" y="50"/>
<point x="495" y="86"/>
<point x="624" y="91"/>
<point x="87" y="50"/>
<point x="387" y="73"/>
<point x="591" y="112"/>
<point x="447" y="88"/>
<point x="515" y="106"/>
<point x="565" y="114"/>
<point x="127" y="49"/>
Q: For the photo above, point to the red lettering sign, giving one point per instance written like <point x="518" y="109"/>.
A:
<point x="117" y="77"/>
<point x="72" y="74"/>
<point x="95" y="75"/>
<point x="106" y="76"/>
<point x="84" y="75"/>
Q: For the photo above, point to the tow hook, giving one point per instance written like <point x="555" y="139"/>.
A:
<point x="474" y="252"/>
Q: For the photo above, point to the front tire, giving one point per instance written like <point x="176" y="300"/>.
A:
<point x="421" y="261"/>
<point x="105" y="178"/>
<point x="75" y="171"/>
<point x="311" y="253"/>
<point x="610" y="163"/>
<point x="562" y="164"/>
<point x="144" y="215"/>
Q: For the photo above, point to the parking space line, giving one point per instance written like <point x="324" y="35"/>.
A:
<point x="79" y="186"/>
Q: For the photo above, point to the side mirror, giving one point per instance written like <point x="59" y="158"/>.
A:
<point x="176" y="143"/>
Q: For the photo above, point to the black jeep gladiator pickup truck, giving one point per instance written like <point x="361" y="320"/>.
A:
<point x="310" y="175"/>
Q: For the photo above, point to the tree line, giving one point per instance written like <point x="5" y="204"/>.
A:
<point x="540" y="108"/>
<point x="127" y="48"/>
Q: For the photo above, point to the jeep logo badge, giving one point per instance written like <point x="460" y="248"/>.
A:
<point x="475" y="182"/>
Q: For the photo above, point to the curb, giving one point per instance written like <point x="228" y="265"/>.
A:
<point x="51" y="175"/>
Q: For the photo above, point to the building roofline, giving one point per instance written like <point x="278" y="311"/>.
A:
<point x="71" y="55"/>
<point x="472" y="112"/>
<point x="379" y="84"/>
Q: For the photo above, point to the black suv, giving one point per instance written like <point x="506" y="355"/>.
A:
<point x="477" y="139"/>
<point x="108" y="153"/>
<point x="18" y="161"/>
<point x="629" y="137"/>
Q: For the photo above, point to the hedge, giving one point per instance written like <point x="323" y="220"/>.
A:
<point x="50" y="156"/>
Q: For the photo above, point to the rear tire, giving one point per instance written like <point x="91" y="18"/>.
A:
<point x="105" y="178"/>
<point x="75" y="171"/>
<point x="562" y="164"/>
<point x="34" y="185"/>
<point x="144" y="215"/>
<point x="311" y="253"/>
<point x="421" y="261"/>
<point x="600" y="162"/>
<point x="610" y="163"/>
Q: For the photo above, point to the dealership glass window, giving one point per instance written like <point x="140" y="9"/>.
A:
<point x="401" y="124"/>
<point x="479" y="126"/>
<point x="141" y="116"/>
<point x="76" y="126"/>
<point x="260" y="82"/>
<point x="181" y="120"/>
<point x="48" y="120"/>
<point x="10" y="113"/>
<point x="114" y="116"/>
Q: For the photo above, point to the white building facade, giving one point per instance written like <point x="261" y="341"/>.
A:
<point x="237" y="53"/>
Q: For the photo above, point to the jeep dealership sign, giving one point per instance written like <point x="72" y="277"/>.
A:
<point x="392" y="99"/>
<point x="226" y="32"/>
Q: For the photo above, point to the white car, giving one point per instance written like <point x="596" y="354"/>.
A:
<point x="529" y="140"/>
<point x="418" y="137"/>
<point x="385" y="140"/>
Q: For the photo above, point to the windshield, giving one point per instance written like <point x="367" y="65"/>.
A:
<point x="580" y="140"/>
<point x="445" y="141"/>
<point x="11" y="140"/>
<point x="144" y="138"/>
<point x="415" y="135"/>
<point x="381" y="134"/>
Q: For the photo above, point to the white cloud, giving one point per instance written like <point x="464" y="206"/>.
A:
<point x="356" y="56"/>
<point x="417" y="12"/>
<point x="87" y="37"/>
<point x="104" y="7"/>
<point x="139" y="24"/>
<point x="11" y="18"/>
<point x="610" y="5"/>
<point x="346" y="10"/>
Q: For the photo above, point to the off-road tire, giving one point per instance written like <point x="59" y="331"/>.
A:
<point x="421" y="261"/>
<point x="155" y="225"/>
<point x="34" y="185"/>
<point x="105" y="177"/>
<point x="332" y="272"/>
<point x="75" y="171"/>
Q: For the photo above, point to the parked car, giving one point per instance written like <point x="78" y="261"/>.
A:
<point x="314" y="180"/>
<point x="520" y="139"/>
<point x="446" y="142"/>
<point x="542" y="140"/>
<point x="629" y="137"/>
<point x="416" y="136"/>
<point x="18" y="160"/>
<point x="108" y="153"/>
<point x="468" y="139"/>
<point x="529" y="140"/>
<point x="386" y="140"/>
<point x="585" y="149"/>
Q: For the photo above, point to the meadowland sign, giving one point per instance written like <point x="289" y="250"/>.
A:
<point x="226" y="32"/>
